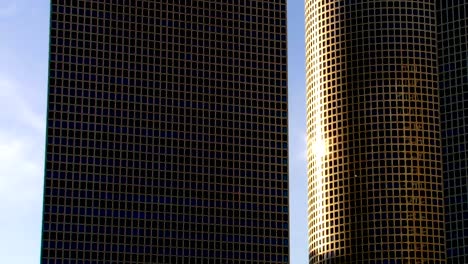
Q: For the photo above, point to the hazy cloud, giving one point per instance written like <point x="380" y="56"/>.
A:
<point x="21" y="174"/>
<point x="298" y="143"/>
<point x="20" y="171"/>
<point x="21" y="146"/>
<point x="15" y="110"/>
<point x="20" y="199"/>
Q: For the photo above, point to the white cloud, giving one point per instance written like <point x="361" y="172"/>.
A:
<point x="21" y="175"/>
<point x="20" y="201"/>
<point x="23" y="79"/>
<point x="297" y="145"/>
<point x="21" y="171"/>
<point x="14" y="108"/>
<point x="21" y="144"/>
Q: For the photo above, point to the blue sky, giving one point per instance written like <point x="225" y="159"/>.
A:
<point x="24" y="28"/>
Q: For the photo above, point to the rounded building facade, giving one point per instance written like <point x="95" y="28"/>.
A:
<point x="374" y="156"/>
<point x="453" y="84"/>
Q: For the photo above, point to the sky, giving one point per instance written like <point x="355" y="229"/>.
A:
<point x="24" y="40"/>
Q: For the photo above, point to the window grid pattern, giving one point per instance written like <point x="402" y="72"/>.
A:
<point x="374" y="162"/>
<point x="453" y="82"/>
<point x="167" y="133"/>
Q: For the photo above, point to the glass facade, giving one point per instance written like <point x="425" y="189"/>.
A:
<point x="453" y="82"/>
<point x="167" y="137"/>
<point x="374" y="155"/>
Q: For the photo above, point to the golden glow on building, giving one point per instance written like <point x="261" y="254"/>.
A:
<point x="317" y="147"/>
<point x="374" y="170"/>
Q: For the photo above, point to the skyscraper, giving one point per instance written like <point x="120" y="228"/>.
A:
<point x="167" y="132"/>
<point x="453" y="79"/>
<point x="374" y="156"/>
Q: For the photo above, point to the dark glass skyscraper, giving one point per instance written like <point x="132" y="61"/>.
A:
<point x="453" y="81"/>
<point x="167" y="132"/>
<point x="374" y="159"/>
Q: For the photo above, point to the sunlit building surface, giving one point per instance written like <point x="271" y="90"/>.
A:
<point x="374" y="155"/>
<point x="453" y="81"/>
<point x="167" y="133"/>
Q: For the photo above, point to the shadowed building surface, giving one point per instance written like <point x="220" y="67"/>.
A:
<point x="453" y="82"/>
<point x="167" y="133"/>
<point x="374" y="156"/>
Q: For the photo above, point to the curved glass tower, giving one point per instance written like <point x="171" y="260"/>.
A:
<point x="374" y="156"/>
<point x="453" y="81"/>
